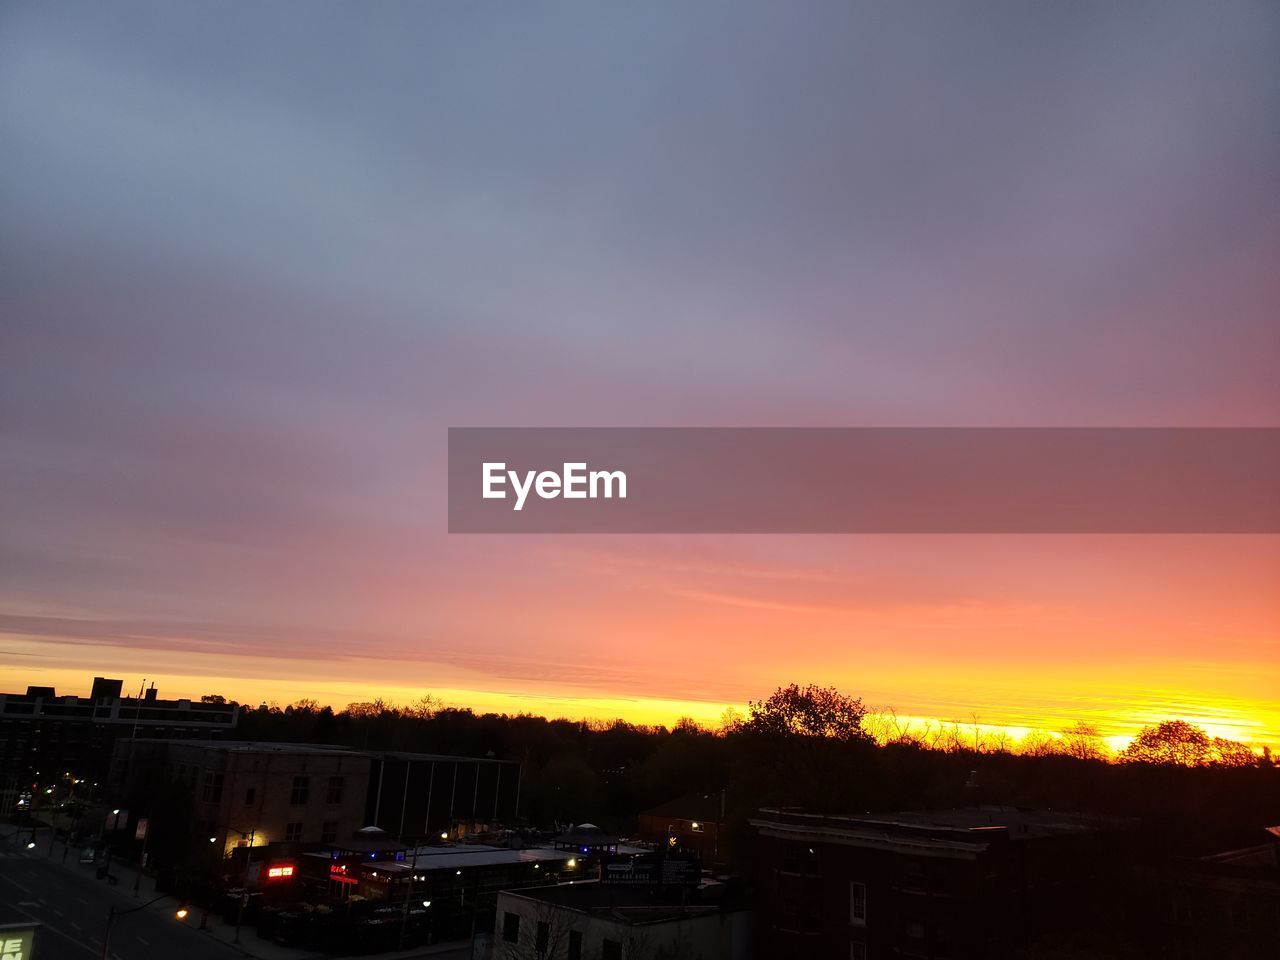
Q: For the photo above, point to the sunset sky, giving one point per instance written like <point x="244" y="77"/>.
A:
<point x="254" y="262"/>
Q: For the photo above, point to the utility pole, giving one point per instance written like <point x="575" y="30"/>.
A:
<point x="244" y="880"/>
<point x="404" y="912"/>
<point x="113" y="915"/>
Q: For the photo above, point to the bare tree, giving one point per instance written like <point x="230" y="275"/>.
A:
<point x="544" y="934"/>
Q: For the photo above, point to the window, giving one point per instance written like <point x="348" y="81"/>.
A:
<point x="329" y="831"/>
<point x="292" y="832"/>
<point x="334" y="793"/>
<point x="575" y="945"/>
<point x="541" y="938"/>
<point x="511" y="927"/>
<point x="301" y="792"/>
<point x="212" y="788"/>
<point x="857" y="950"/>
<point x="858" y="904"/>
<point x="250" y="795"/>
<point x="611" y="950"/>
<point x="697" y="826"/>
<point x="915" y="929"/>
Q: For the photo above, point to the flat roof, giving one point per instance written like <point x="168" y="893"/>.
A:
<point x="963" y="830"/>
<point x="251" y="746"/>
<point x="467" y="855"/>
<point x="627" y="904"/>
<point x="281" y="746"/>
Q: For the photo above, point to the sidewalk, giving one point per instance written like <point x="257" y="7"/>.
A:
<point x="14" y="840"/>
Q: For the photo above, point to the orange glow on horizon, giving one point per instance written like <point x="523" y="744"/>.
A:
<point x="1228" y="719"/>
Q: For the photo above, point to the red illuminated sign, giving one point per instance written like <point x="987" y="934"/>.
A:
<point x="338" y="873"/>
<point x="279" y="873"/>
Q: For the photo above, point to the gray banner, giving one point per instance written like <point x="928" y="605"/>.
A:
<point x="863" y="480"/>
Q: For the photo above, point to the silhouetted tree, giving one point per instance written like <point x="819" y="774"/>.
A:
<point x="1084" y="742"/>
<point x="810" y="711"/>
<point x="1169" y="742"/>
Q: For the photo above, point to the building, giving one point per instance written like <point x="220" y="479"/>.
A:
<point x="45" y="738"/>
<point x="1224" y="905"/>
<point x="977" y="883"/>
<point x="598" y="920"/>
<point x="456" y="883"/>
<point x="248" y="793"/>
<point x="695" y="821"/>
<point x="419" y="795"/>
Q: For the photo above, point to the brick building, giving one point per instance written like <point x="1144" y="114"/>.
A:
<point x="278" y="793"/>
<point x="304" y="795"/>
<point x="970" y="884"/>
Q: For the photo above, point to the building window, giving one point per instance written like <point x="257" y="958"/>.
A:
<point x="301" y="791"/>
<point x="915" y="929"/>
<point x="858" y="904"/>
<point x="697" y="826"/>
<point x="250" y="795"/>
<point x="541" y="938"/>
<point x="511" y="927"/>
<point x="212" y="788"/>
<point x="611" y="950"/>
<point x="857" y="950"/>
<point x="292" y="832"/>
<point x="334" y="793"/>
<point x="329" y="831"/>
<point x="575" y="945"/>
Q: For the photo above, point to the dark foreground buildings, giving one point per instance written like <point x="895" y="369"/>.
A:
<point x="1225" y="906"/>
<point x="968" y="884"/>
<point x="45" y="737"/>
<point x="295" y="795"/>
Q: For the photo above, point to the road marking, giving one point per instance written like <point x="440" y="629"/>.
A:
<point x="142" y="940"/>
<point x="56" y="931"/>
<point x="19" y="886"/>
<point x="74" y="924"/>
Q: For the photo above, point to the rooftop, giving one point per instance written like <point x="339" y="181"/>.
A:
<point x="960" y="830"/>
<point x="631" y="905"/>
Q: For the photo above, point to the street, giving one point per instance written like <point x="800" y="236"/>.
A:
<point x="72" y="906"/>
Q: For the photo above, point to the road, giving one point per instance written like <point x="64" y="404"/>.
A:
<point x="73" y="906"/>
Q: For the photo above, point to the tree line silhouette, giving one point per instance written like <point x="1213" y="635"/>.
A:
<point x="819" y="748"/>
